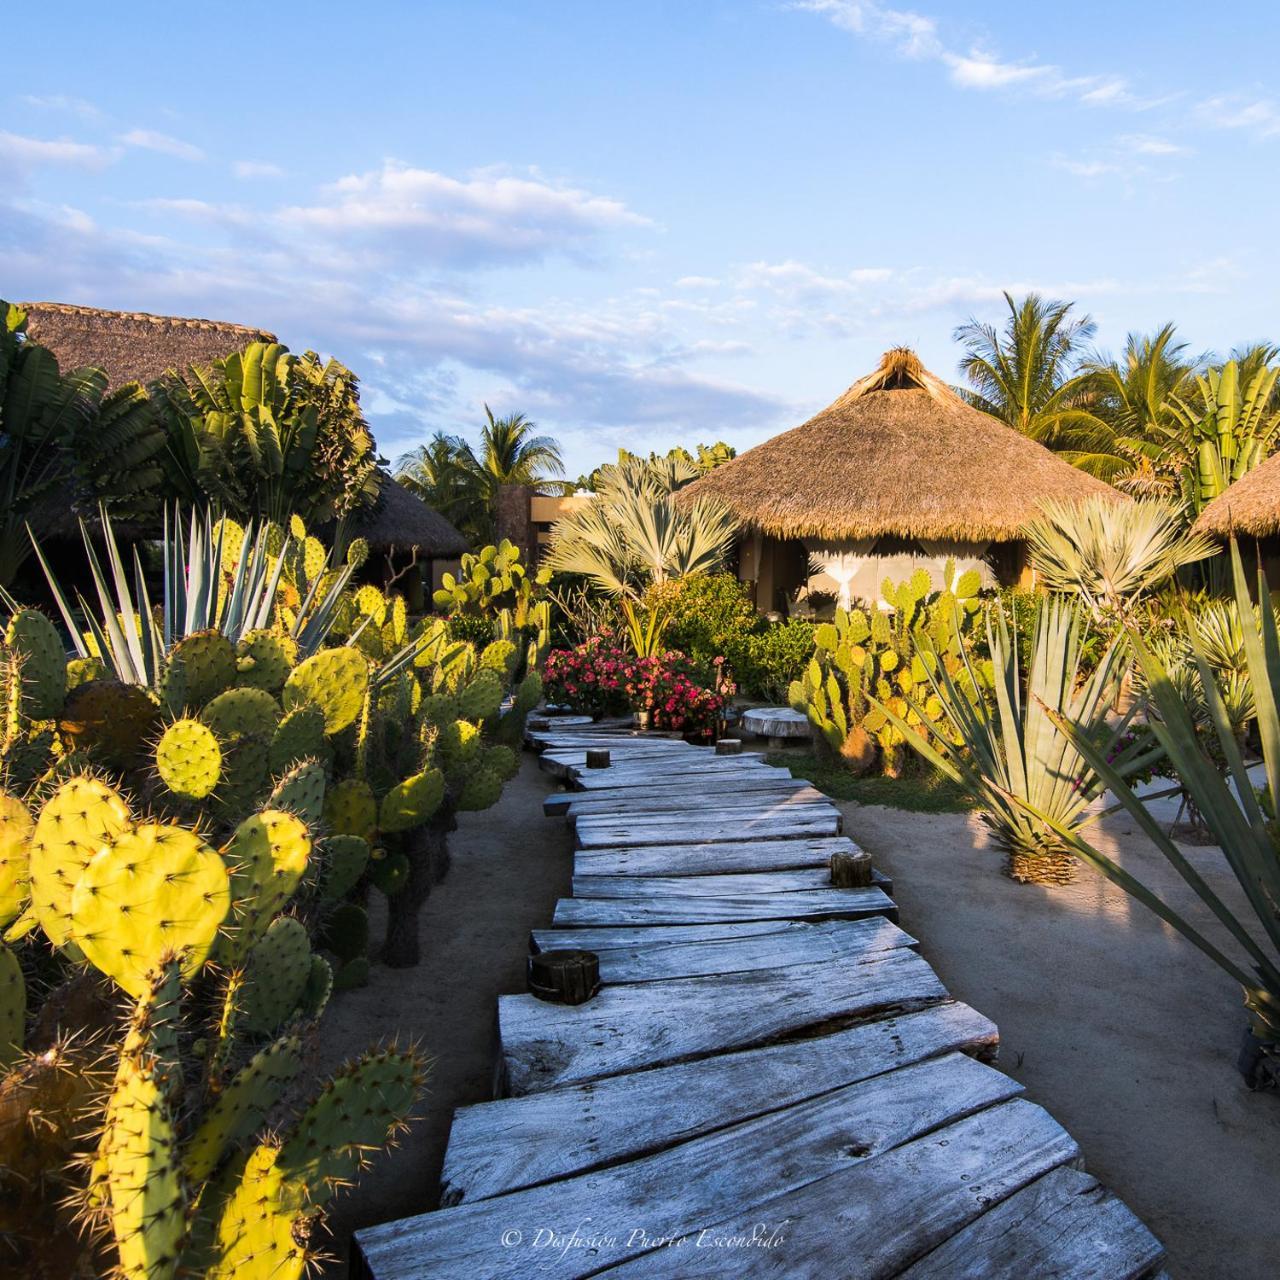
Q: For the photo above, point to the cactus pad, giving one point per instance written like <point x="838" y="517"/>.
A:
<point x="481" y="790"/>
<point x="357" y="552"/>
<point x="242" y="1106"/>
<point x="209" y="662"/>
<point x="503" y="761"/>
<point x="254" y="1234"/>
<point x="276" y="974"/>
<point x="500" y="657"/>
<point x="350" y="808"/>
<point x="355" y="973"/>
<point x="189" y="759"/>
<point x="388" y="872"/>
<point x="372" y="603"/>
<point x="299" y="736"/>
<point x="82" y="670"/>
<point x="81" y="818"/>
<point x="459" y="745"/>
<point x="242" y="713"/>
<point x="360" y="1110"/>
<point x="301" y="791"/>
<point x="44" y="663"/>
<point x="264" y="660"/>
<point x="267" y="857"/>
<point x="335" y="680"/>
<point x="483" y="695"/>
<point x="112" y="719"/>
<point x="154" y="891"/>
<point x="232" y="536"/>
<point x="315" y="995"/>
<point x="345" y="858"/>
<point x="411" y="802"/>
<point x="529" y="693"/>
<point x="13" y="1006"/>
<point x="16" y="826"/>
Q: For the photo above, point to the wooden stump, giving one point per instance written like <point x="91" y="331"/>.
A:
<point x="564" y="977"/>
<point x="729" y="747"/>
<point x="597" y="757"/>
<point x="851" y="870"/>
<point x="539" y="723"/>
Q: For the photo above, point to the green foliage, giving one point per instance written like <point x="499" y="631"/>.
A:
<point x="858" y="687"/>
<point x="489" y="581"/>
<point x="1226" y="799"/>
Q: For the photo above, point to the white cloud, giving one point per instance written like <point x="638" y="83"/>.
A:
<point x="61" y="102"/>
<point x="25" y="151"/>
<point x="697" y="282"/>
<point x="162" y="143"/>
<point x="796" y="281"/>
<point x="1145" y="144"/>
<point x="1260" y="117"/>
<point x="1086" y="168"/>
<point x="256" y="169"/>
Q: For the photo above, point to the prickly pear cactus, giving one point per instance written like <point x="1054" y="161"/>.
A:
<point x="209" y="665"/>
<point x="335" y="680"/>
<point x="189" y="760"/>
<point x="42" y="662"/>
<point x="264" y="660"/>
<point x="299" y="736"/>
<point x="301" y="792"/>
<point x="267" y="858"/>
<point x="111" y="720"/>
<point x="350" y="808"/>
<point x="276" y="974"/>
<point x="16" y="826"/>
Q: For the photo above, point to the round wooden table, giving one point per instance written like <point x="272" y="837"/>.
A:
<point x="779" y="724"/>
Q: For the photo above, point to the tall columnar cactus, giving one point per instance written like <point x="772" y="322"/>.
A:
<point x="861" y="656"/>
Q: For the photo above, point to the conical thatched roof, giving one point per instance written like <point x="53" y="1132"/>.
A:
<point x="398" y="519"/>
<point x="898" y="454"/>
<point x="132" y="346"/>
<point x="1250" y="507"/>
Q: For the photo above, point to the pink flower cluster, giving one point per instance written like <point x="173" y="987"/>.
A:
<point x="600" y="677"/>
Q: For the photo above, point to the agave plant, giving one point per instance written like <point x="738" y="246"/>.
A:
<point x="1013" y="757"/>
<point x="1231" y="809"/>
<point x="634" y="533"/>
<point x="1111" y="552"/>
<point x="206" y="587"/>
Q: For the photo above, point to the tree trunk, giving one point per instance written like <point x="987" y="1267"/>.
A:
<point x="429" y="853"/>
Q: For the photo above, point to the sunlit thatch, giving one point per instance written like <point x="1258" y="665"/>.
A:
<point x="1250" y="507"/>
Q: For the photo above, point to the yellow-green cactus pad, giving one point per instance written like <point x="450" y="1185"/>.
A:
<point x="350" y="808"/>
<point x="276" y="974"/>
<point x="265" y="659"/>
<point x="335" y="680"/>
<point x="16" y="826"/>
<point x="232" y="536"/>
<point x="301" y="791"/>
<point x="112" y="719"/>
<point x="155" y="891"/>
<point x="44" y="662"/>
<point x="189" y="759"/>
<point x="299" y="736"/>
<point x="139" y="1159"/>
<point x="82" y="818"/>
<point x="209" y="662"/>
<point x="254" y="1235"/>
<point x="411" y="802"/>
<point x="371" y="602"/>
<point x="82" y="670"/>
<point x="459" y="744"/>
<point x="266" y="856"/>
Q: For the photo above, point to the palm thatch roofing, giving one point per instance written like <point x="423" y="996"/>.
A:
<point x="1250" y="507"/>
<point x="899" y="454"/>
<point x="400" y="520"/>
<point x="132" y="345"/>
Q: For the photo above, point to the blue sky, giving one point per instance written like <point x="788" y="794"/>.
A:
<point x="641" y="224"/>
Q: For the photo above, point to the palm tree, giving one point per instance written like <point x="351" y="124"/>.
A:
<point x="511" y="451"/>
<point x="634" y="532"/>
<point x="443" y="474"/>
<point x="1029" y="375"/>
<point x="1134" y="396"/>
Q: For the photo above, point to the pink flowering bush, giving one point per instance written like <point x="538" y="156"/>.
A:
<point x="601" y="678"/>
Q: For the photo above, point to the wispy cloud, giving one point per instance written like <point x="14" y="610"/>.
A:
<point x="1260" y="117"/>
<point x="1146" y="144"/>
<point x="151" y="140"/>
<point x="256" y="169"/>
<point x="61" y="102"/>
<point x="29" y="152"/>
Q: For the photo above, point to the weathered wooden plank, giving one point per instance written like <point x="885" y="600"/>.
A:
<point x="708" y="770"/>
<point x="880" y="1215"/>
<point x="816" y="904"/>
<point x="500" y="1146"/>
<point x="650" y="1024"/>
<point x="589" y="804"/>
<point x="611" y="833"/>
<point x="830" y="941"/>
<point x="713" y="886"/>
<point x="692" y="790"/>
<point x="712" y="857"/>
<point x="631" y="936"/>
<point x="676" y="1191"/>
<point x="1064" y="1224"/>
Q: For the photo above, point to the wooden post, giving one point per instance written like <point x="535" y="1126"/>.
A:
<point x="564" y="977"/>
<point x="851" y="870"/>
<point x="729" y="747"/>
<point x="597" y="757"/>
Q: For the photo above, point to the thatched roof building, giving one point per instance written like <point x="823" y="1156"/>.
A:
<point x="897" y="474"/>
<point x="900" y="454"/>
<point x="1249" y="508"/>
<point x="401" y="521"/>
<point x="132" y="346"/>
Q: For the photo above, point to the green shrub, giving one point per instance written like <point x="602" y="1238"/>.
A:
<point x="765" y="662"/>
<point x="709" y="613"/>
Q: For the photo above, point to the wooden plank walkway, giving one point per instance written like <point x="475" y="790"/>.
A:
<point x="770" y="1082"/>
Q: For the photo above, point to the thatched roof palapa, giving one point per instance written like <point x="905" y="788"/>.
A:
<point x="132" y="345"/>
<point x="1249" y="508"/>
<point x="899" y="454"/>
<point x="398" y="519"/>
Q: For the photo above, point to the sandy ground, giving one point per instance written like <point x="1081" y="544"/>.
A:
<point x="1113" y="1022"/>
<point x="510" y="864"/>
